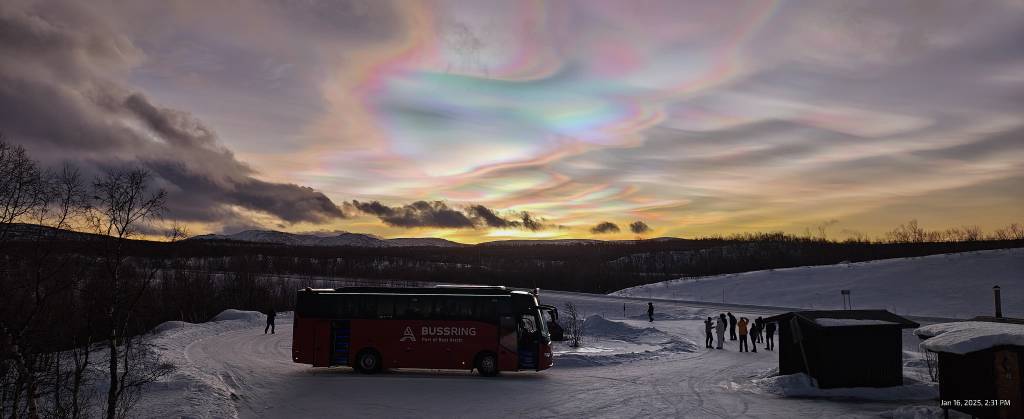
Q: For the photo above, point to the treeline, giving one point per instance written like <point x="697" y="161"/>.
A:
<point x="597" y="268"/>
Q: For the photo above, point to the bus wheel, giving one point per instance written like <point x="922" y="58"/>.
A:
<point x="368" y="361"/>
<point x="487" y="364"/>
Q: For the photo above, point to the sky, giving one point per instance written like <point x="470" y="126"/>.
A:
<point x="483" y="120"/>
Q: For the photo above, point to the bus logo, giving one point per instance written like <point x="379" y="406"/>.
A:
<point x="407" y="335"/>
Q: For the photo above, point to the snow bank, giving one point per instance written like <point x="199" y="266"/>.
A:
<point x="597" y="326"/>
<point x="194" y="390"/>
<point x="802" y="385"/>
<point x="956" y="285"/>
<point x="609" y="342"/>
<point x="232" y="314"/>
<point x="966" y="337"/>
<point x="171" y="325"/>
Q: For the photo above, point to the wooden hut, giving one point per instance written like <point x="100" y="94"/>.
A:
<point x="980" y="365"/>
<point x="843" y="348"/>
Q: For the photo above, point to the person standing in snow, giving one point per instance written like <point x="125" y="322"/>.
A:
<point x="271" y="314"/>
<point x="732" y="326"/>
<point x="708" y="327"/>
<point x="760" y="329"/>
<point x="769" y="336"/>
<point x="743" y="334"/>
<point x="650" y="311"/>
<point x="755" y="330"/>
<point x="720" y="329"/>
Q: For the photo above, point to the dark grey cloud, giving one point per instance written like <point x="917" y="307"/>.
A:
<point x="639" y="227"/>
<point x="605" y="227"/>
<point x="57" y="101"/>
<point x="528" y="222"/>
<point x="439" y="214"/>
<point x="489" y="217"/>
<point x="417" y="214"/>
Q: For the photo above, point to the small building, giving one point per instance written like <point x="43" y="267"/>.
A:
<point x="843" y="348"/>
<point x="979" y="365"/>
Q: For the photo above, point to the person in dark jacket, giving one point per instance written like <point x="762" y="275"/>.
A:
<point x="709" y="326"/>
<point x="271" y="314"/>
<point x="755" y="329"/>
<point x="650" y="311"/>
<point x="720" y="329"/>
<point x="769" y="336"/>
<point x="732" y="326"/>
<point x="760" y="329"/>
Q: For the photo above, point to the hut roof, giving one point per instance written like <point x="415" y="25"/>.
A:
<point x="845" y="318"/>
<point x="970" y="336"/>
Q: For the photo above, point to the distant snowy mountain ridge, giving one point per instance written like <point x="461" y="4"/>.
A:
<point x="341" y="239"/>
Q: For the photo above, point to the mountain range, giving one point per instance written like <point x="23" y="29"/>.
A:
<point x="340" y="239"/>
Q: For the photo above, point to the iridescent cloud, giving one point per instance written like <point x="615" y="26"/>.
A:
<point x="695" y="117"/>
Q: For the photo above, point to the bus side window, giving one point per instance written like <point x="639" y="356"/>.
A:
<point x="342" y="308"/>
<point x="450" y="307"/>
<point x="487" y="310"/>
<point x="465" y="308"/>
<point x="385" y="307"/>
<point x="508" y="333"/>
<point x="413" y="310"/>
<point x="427" y="306"/>
<point x="366" y="307"/>
<point x="401" y="306"/>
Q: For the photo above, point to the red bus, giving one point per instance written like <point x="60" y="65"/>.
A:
<point x="489" y="329"/>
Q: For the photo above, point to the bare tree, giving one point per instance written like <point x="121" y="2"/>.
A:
<point x="38" y="283"/>
<point x="910" y="232"/>
<point x="21" y="185"/>
<point x="573" y="325"/>
<point x="123" y="204"/>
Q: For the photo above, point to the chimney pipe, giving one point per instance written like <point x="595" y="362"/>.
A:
<point x="999" y="303"/>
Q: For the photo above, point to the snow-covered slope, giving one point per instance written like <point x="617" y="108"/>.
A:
<point x="950" y="285"/>
<point x="342" y="239"/>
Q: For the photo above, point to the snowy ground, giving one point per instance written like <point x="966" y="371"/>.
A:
<point x="629" y="367"/>
<point x="957" y="285"/>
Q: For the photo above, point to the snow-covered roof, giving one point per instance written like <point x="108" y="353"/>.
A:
<point x="837" y="318"/>
<point x="970" y="336"/>
<point x="825" y="322"/>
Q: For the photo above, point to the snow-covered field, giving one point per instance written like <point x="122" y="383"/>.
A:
<point x="627" y="366"/>
<point x="957" y="285"/>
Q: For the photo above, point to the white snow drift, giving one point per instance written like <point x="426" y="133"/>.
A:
<point x="609" y="342"/>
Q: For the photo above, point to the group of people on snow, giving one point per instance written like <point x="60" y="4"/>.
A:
<point x="750" y="333"/>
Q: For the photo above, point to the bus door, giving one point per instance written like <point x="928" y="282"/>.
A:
<point x="529" y="342"/>
<point x="508" y="344"/>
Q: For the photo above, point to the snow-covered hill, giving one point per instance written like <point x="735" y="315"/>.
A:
<point x="342" y="239"/>
<point x="948" y="285"/>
